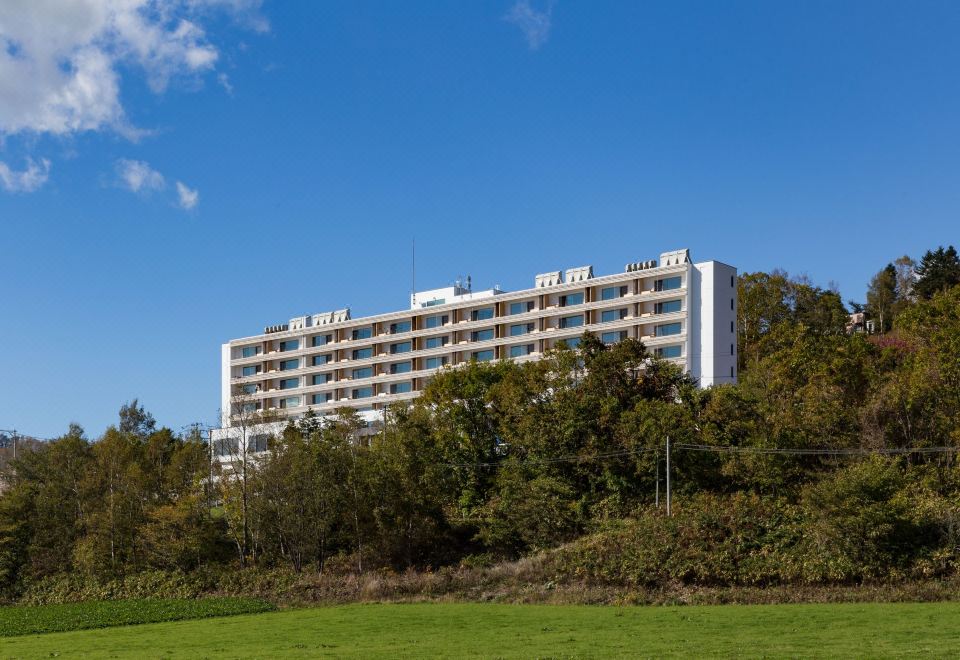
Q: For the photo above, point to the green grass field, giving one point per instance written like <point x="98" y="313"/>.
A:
<point x="487" y="630"/>
<point x="106" y="614"/>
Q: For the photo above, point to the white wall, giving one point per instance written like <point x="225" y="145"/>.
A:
<point x="224" y="381"/>
<point x="711" y="360"/>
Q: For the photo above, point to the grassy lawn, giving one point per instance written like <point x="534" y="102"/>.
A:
<point x="486" y="630"/>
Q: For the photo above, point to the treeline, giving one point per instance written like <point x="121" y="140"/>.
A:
<point x="501" y="460"/>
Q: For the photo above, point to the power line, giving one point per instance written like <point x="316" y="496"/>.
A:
<point x="785" y="451"/>
<point x="839" y="451"/>
<point x="572" y="458"/>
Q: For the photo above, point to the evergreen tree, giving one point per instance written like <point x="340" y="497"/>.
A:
<point x="938" y="271"/>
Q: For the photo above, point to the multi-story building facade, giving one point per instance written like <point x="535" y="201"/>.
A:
<point x="681" y="311"/>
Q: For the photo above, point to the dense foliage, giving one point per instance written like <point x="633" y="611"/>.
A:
<point x="501" y="460"/>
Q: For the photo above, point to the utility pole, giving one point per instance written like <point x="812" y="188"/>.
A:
<point x="657" y="496"/>
<point x="668" y="476"/>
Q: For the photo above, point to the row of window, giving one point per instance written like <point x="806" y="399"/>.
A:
<point x="480" y="356"/>
<point x="521" y="307"/>
<point x="662" y="330"/>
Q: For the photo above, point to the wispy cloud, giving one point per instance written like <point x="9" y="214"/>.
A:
<point x="137" y="176"/>
<point x="34" y="175"/>
<point x="187" y="198"/>
<point x="534" y="24"/>
<point x="224" y="81"/>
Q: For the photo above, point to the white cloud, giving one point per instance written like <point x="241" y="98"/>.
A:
<point x="138" y="176"/>
<point x="26" y="180"/>
<point x="534" y="24"/>
<point x="60" y="61"/>
<point x="187" y="198"/>
<point x="224" y="81"/>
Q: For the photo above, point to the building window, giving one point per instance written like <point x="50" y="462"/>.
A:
<point x="401" y="367"/>
<point x="289" y="345"/>
<point x="483" y="356"/>
<point x="250" y="407"/>
<point x="325" y="397"/>
<point x="289" y="383"/>
<point x="436" y="321"/>
<point x="667" y="307"/>
<point x="401" y="326"/>
<point x="249" y="351"/>
<point x="521" y="307"/>
<point x="667" y="351"/>
<point x="361" y="333"/>
<point x="434" y="302"/>
<point x="667" y="284"/>
<point x="322" y="340"/>
<point x="322" y="379"/>
<point x="481" y="335"/>
<point x="571" y="299"/>
<point x="362" y="393"/>
<point x="731" y="349"/>
<point x="366" y="372"/>
<point x="520" y="351"/>
<point x="400" y="388"/>
<point x="257" y="443"/>
<point x="731" y="326"/>
<point x="731" y="282"/>
<point x="668" y="329"/>
<point x="613" y="337"/>
<point x="435" y="362"/>
<point x="226" y="446"/>
<point x="520" y="329"/>
<point x="402" y="347"/>
<point x="731" y="303"/>
<point x="571" y="321"/>
<point x="435" y="342"/>
<point x="362" y="353"/>
<point x="613" y="292"/>
<point x="321" y="359"/>
<point x="252" y="370"/>
<point x="731" y="372"/>
<point x="290" y="402"/>
<point x="287" y="365"/>
<point x="249" y="388"/>
<point x="608" y="315"/>
<point x="573" y="342"/>
<point x="481" y="314"/>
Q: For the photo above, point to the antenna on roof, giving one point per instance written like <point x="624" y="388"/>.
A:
<point x="413" y="270"/>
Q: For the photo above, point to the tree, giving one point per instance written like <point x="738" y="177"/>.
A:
<point x="246" y="422"/>
<point x="134" y="420"/>
<point x="906" y="278"/>
<point x="882" y="295"/>
<point x="939" y="270"/>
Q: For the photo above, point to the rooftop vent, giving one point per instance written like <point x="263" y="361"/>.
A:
<point x="675" y="258"/>
<point x="640" y="265"/>
<point x="549" y="279"/>
<point x="326" y="318"/>
<point x="580" y="274"/>
<point x="270" y="329"/>
<point x="299" y="323"/>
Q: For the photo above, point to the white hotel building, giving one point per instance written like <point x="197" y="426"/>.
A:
<point x="681" y="311"/>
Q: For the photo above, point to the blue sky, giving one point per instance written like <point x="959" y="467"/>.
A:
<point x="182" y="173"/>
